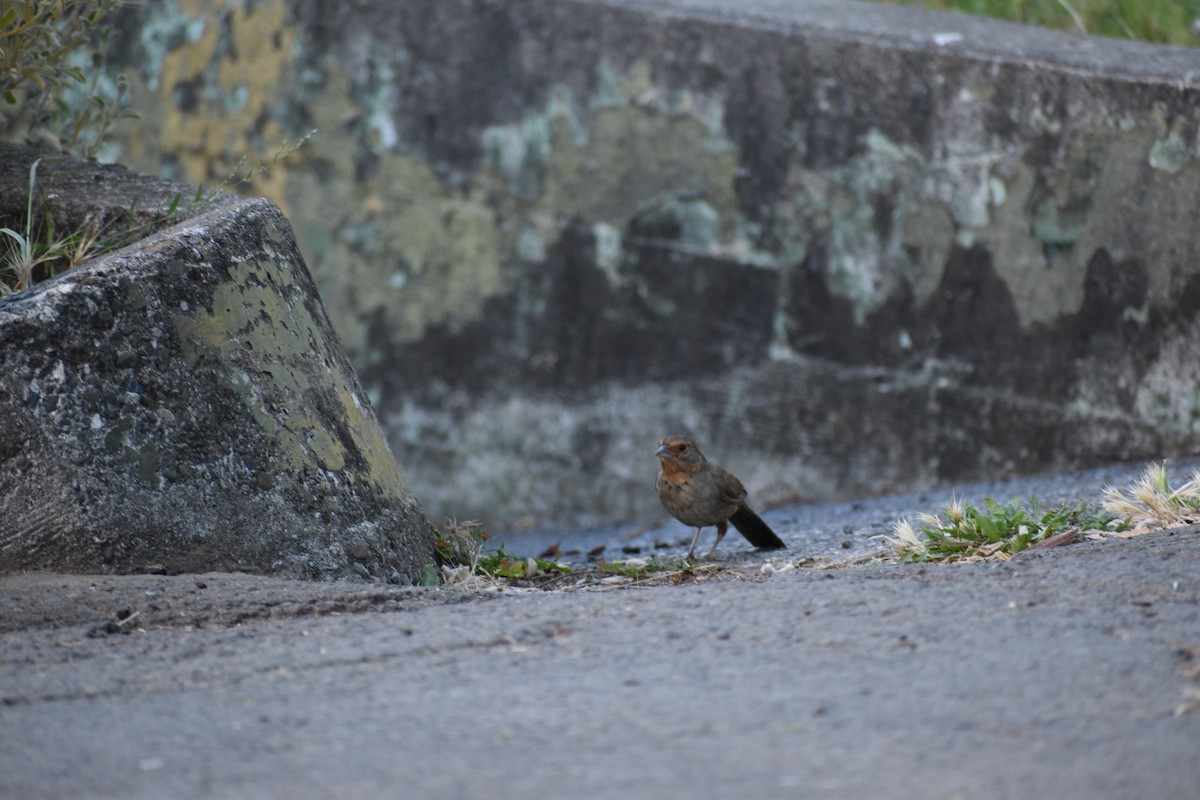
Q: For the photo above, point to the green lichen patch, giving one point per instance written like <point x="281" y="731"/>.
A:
<point x="259" y="323"/>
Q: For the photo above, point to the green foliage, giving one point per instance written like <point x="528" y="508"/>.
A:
<point x="429" y="575"/>
<point x="48" y="50"/>
<point x="502" y="564"/>
<point x="995" y="531"/>
<point x="1161" y="21"/>
<point x="459" y="547"/>
<point x="241" y="175"/>
<point x="638" y="568"/>
<point x="459" y="544"/>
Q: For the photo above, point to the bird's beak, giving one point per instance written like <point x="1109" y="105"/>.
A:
<point x="663" y="451"/>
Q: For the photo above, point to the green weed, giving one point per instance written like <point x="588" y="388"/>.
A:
<point x="40" y="251"/>
<point x="502" y="564"/>
<point x="996" y="531"/>
<point x="459" y="549"/>
<point x="639" y="568"/>
<point x="240" y="176"/>
<point x="643" y="572"/>
<point x="20" y="254"/>
<point x="465" y="562"/>
<point x="459" y="544"/>
<point x="1160" y="21"/>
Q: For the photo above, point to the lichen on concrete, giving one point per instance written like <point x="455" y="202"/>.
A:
<point x="184" y="405"/>
<point x="213" y="71"/>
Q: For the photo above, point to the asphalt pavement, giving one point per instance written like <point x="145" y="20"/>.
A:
<point x="1069" y="673"/>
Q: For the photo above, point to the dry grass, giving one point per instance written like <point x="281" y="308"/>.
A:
<point x="1152" y="503"/>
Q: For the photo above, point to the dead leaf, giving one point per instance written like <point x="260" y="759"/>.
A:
<point x="1069" y="536"/>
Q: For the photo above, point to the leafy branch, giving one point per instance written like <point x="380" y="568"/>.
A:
<point x="45" y="46"/>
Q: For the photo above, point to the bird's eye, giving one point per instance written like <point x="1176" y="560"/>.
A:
<point x="683" y="448"/>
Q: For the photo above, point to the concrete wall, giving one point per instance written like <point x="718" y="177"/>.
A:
<point x="852" y="248"/>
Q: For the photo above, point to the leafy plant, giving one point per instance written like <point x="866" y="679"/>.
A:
<point x="502" y="564"/>
<point x="1151" y="502"/>
<point x="39" y="251"/>
<point x="459" y="544"/>
<point x="45" y="46"/>
<point x="651" y="571"/>
<point x="638" y="568"/>
<point x="1162" y="21"/>
<point x="995" y="531"/>
<point x="459" y="548"/>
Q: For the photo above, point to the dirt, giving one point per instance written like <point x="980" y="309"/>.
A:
<point x="1072" y="672"/>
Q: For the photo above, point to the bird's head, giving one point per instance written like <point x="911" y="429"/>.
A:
<point x="680" y="453"/>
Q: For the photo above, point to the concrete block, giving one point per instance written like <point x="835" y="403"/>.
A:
<point x="184" y="405"/>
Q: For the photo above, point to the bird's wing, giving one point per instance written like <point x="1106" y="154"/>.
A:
<point x="732" y="490"/>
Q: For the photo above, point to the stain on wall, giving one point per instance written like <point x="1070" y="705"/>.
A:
<point x="512" y="210"/>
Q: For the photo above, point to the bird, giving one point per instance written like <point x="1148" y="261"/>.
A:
<point x="699" y="493"/>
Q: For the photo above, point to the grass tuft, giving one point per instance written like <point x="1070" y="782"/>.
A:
<point x="964" y="532"/>
<point x="1152" y="503"/>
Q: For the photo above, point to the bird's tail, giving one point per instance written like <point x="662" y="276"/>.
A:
<point x="757" y="532"/>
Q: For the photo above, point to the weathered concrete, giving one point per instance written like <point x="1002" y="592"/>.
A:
<point x="852" y="248"/>
<point x="183" y="404"/>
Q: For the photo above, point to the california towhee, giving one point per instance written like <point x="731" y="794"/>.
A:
<point x="699" y="493"/>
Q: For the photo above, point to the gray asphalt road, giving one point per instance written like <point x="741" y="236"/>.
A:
<point x="842" y="529"/>
<point x="1070" y="673"/>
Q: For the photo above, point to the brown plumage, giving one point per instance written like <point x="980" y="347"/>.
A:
<point x="699" y="493"/>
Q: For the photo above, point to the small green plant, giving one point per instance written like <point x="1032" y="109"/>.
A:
<point x="39" y="251"/>
<point x="459" y="548"/>
<point x="45" y="47"/>
<point x="240" y="176"/>
<point x="651" y="571"/>
<point x="459" y="544"/>
<point x="1152" y="503"/>
<point x="995" y="531"/>
<point x="1162" y="21"/>
<point x="639" y="568"/>
<point x="464" y="562"/>
<point x="502" y="564"/>
<point x="20" y="254"/>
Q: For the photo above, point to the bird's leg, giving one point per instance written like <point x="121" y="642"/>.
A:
<point x="721" y="528"/>
<point x="692" y="549"/>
